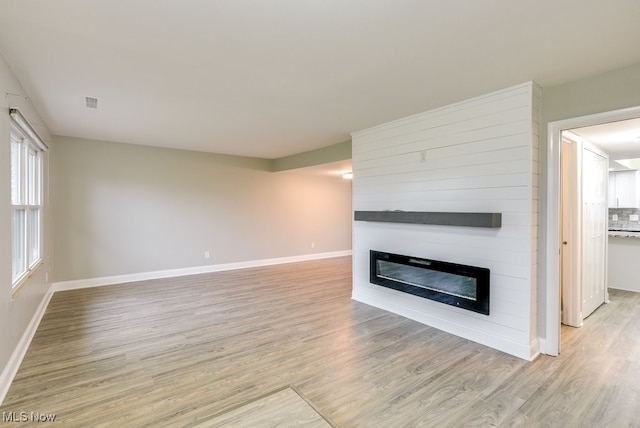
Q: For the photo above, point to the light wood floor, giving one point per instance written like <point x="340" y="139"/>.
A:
<point x="184" y="351"/>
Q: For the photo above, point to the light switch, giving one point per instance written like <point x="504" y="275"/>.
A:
<point x="633" y="217"/>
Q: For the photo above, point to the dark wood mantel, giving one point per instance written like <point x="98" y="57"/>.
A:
<point x="491" y="220"/>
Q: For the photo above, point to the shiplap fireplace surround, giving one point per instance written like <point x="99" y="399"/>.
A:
<point x="479" y="155"/>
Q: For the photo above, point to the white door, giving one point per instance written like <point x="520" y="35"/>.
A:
<point x="595" y="174"/>
<point x="571" y="268"/>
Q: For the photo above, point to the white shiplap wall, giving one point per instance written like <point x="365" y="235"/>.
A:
<point x="480" y="155"/>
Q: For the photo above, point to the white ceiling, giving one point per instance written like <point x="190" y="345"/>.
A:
<point x="620" y="140"/>
<point x="278" y="77"/>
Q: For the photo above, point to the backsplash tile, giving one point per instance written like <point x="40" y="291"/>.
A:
<point x="623" y="222"/>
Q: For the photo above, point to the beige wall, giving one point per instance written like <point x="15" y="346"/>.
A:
<point x="615" y="90"/>
<point x="122" y="209"/>
<point x="324" y="155"/>
<point x="16" y="313"/>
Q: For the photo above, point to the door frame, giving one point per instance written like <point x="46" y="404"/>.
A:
<point x="551" y="344"/>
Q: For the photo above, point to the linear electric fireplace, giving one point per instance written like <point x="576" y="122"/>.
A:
<point x="453" y="284"/>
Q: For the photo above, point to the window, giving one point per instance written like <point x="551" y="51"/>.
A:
<point x="26" y="198"/>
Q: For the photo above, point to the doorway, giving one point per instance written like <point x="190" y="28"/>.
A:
<point x="550" y="345"/>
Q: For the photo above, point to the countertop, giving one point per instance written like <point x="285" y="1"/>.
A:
<point x="625" y="233"/>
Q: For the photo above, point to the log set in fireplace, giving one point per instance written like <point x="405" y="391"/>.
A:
<point x="457" y="285"/>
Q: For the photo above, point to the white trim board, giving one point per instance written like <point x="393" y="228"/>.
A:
<point x="551" y="343"/>
<point x="400" y="305"/>
<point x="170" y="273"/>
<point x="10" y="370"/>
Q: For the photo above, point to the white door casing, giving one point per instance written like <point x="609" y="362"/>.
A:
<point x="550" y="343"/>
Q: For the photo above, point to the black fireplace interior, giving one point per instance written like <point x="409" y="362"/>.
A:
<point x="450" y="283"/>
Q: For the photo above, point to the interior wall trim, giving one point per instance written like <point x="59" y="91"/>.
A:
<point x="10" y="370"/>
<point x="143" y="276"/>
<point x="405" y="305"/>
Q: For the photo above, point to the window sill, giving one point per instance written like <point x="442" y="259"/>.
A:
<point x="21" y="284"/>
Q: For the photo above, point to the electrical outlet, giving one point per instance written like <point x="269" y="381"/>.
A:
<point x="313" y="245"/>
<point x="423" y="156"/>
<point x="633" y="217"/>
<point x="206" y="255"/>
<point x="614" y="217"/>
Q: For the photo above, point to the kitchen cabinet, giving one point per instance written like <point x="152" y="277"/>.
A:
<point x="623" y="269"/>
<point x="624" y="187"/>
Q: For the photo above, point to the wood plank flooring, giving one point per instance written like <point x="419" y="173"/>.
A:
<point x="185" y="351"/>
<point x="280" y="408"/>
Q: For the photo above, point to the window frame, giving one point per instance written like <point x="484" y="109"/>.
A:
<point x="27" y="196"/>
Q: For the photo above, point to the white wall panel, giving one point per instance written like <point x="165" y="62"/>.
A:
<point x="364" y="184"/>
<point x="457" y="116"/>
<point x="507" y="160"/>
<point x="479" y="155"/>
<point x="433" y="143"/>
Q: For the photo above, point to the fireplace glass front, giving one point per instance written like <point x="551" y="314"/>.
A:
<point x="453" y="284"/>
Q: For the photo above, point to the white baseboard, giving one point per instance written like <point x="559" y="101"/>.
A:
<point x="542" y="345"/>
<point x="545" y="349"/>
<point x="534" y="348"/>
<point x="143" y="276"/>
<point x="395" y="305"/>
<point x="10" y="370"/>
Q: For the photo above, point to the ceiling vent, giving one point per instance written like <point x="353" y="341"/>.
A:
<point x="91" y="102"/>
